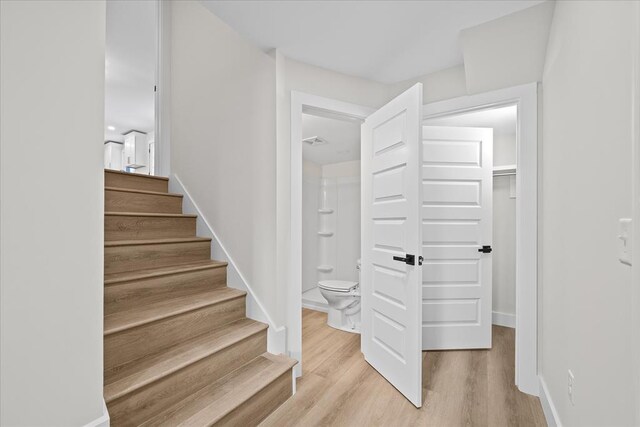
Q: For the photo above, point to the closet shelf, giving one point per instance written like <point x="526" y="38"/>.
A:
<point x="325" y="211"/>
<point x="325" y="233"/>
<point x="325" y="268"/>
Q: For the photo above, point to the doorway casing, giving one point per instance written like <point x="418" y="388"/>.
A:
<point x="525" y="97"/>
<point x="324" y="107"/>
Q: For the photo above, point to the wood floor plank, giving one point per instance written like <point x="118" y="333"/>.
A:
<point x="460" y="388"/>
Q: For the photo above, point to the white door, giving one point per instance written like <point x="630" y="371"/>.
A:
<point x="392" y="289"/>
<point x="457" y="188"/>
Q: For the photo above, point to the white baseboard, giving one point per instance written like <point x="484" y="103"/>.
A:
<point x="504" y="319"/>
<point x="549" y="409"/>
<point x="276" y="336"/>
<point x="103" y="420"/>
<point x="317" y="306"/>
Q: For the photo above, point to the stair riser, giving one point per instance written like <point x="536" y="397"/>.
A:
<point x="138" y="293"/>
<point x="123" y="201"/>
<point x="131" y="344"/>
<point x="118" y="259"/>
<point x="135" y="182"/>
<point x="147" y="227"/>
<point x="138" y="406"/>
<point x="263" y="403"/>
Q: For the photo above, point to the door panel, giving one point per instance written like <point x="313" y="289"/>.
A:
<point x="391" y="226"/>
<point x="457" y="190"/>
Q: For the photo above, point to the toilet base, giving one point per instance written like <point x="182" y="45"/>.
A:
<point x="338" y="319"/>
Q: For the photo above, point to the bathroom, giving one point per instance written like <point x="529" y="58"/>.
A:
<point x="331" y="219"/>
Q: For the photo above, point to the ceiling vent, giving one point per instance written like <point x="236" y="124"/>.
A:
<point x="314" y="141"/>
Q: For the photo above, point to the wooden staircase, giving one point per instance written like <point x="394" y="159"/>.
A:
<point x="178" y="348"/>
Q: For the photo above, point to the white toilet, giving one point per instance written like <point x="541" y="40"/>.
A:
<point x="344" y="303"/>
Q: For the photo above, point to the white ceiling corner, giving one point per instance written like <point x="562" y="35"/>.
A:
<point x="385" y="41"/>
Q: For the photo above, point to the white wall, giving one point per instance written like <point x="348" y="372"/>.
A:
<point x="341" y="185"/>
<point x="223" y="139"/>
<point x="52" y="114"/>
<point x="504" y="227"/>
<point x="311" y="177"/>
<point x="445" y="84"/>
<point x="586" y="187"/>
<point x="334" y="186"/>
<point x="508" y="51"/>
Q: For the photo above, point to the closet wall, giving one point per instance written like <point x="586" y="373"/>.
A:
<point x="504" y="226"/>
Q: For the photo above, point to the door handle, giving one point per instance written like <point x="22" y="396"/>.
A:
<point x="408" y="259"/>
<point x="486" y="249"/>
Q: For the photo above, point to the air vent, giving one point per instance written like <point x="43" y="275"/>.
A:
<point x="315" y="141"/>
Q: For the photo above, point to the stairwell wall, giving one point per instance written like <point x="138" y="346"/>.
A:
<point x="52" y="133"/>
<point x="223" y="139"/>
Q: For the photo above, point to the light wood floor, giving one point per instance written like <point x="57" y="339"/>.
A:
<point x="461" y="388"/>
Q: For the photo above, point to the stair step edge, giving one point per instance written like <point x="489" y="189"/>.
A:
<point x="151" y="214"/>
<point x="130" y="276"/>
<point x="227" y="340"/>
<point x="151" y="193"/>
<point x="114" y="243"/>
<point x="208" y="299"/>
<point x="137" y="175"/>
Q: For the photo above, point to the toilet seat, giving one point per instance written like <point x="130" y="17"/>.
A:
<point x="343" y="286"/>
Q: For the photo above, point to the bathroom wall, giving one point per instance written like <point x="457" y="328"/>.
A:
<point x="311" y="177"/>
<point x="340" y="191"/>
<point x="331" y="222"/>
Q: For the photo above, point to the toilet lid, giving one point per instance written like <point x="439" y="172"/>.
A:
<point x="337" y="285"/>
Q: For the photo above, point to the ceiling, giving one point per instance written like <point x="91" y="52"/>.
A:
<point x="130" y="67"/>
<point x="386" y="41"/>
<point x="502" y="120"/>
<point x="343" y="140"/>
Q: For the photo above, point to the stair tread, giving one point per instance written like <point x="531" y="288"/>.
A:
<point x="162" y="178"/>
<point x="110" y="243"/>
<point x="126" y="276"/>
<point x="151" y="214"/>
<point x="148" y="370"/>
<point x="133" y="190"/>
<point x="215" y="401"/>
<point x="121" y="321"/>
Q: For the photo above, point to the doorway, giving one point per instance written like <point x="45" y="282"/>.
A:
<point x="330" y="213"/>
<point x="131" y="64"/>
<point x="502" y="121"/>
<point x="524" y="98"/>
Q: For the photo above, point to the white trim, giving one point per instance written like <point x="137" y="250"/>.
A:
<point x="302" y="102"/>
<point x="103" y="420"/>
<point x="276" y="336"/>
<point x="163" y="90"/>
<point x="635" y="242"/>
<point x="549" y="409"/>
<point x="317" y="306"/>
<point x="526" y="97"/>
<point x="507" y="320"/>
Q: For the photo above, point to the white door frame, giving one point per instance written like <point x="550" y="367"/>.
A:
<point x="305" y="103"/>
<point x="635" y="242"/>
<point x="525" y="97"/>
<point x="163" y="89"/>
